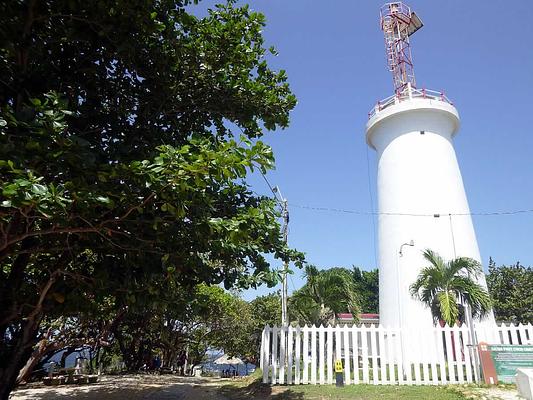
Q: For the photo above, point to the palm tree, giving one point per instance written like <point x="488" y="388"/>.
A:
<point x="326" y="293"/>
<point x="447" y="286"/>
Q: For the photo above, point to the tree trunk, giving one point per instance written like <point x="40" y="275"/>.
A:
<point x="42" y="349"/>
<point x="21" y="352"/>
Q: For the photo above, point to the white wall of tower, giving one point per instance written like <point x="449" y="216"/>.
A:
<point x="418" y="177"/>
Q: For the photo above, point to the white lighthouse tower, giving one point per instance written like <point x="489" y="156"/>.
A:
<point x="421" y="198"/>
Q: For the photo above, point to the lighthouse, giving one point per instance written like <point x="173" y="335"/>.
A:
<point x="422" y="202"/>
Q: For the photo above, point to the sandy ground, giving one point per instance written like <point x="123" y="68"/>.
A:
<point x="493" y="393"/>
<point x="170" y="387"/>
<point x="129" y="387"/>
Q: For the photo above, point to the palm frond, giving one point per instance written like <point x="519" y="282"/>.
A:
<point x="443" y="286"/>
<point x="449" y="311"/>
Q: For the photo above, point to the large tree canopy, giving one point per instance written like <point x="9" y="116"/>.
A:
<point x="127" y="129"/>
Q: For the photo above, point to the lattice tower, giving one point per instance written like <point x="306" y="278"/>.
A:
<point x="398" y="23"/>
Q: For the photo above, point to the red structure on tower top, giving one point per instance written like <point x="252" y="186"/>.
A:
<point x="398" y="22"/>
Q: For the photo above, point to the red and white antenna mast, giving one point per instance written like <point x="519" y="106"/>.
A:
<point x="398" y="22"/>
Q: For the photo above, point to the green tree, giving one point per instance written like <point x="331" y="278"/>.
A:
<point x="446" y="286"/>
<point x="510" y="287"/>
<point x="367" y="284"/>
<point x="325" y="293"/>
<point x="119" y="165"/>
<point x="254" y="316"/>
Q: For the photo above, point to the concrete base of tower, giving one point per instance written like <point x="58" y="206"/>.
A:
<point x="421" y="200"/>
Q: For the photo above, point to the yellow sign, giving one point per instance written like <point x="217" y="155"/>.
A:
<point x="338" y="366"/>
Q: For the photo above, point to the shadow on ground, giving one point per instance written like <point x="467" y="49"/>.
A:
<point x="260" y="391"/>
<point x="132" y="387"/>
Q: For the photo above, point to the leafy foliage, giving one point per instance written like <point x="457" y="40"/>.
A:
<point x="325" y="293"/>
<point x="245" y="340"/>
<point x="367" y="284"/>
<point x="127" y="130"/>
<point x="445" y="286"/>
<point x="510" y="287"/>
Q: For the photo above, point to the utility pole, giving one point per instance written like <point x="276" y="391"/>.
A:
<point x="285" y="230"/>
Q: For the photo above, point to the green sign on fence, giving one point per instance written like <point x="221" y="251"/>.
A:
<point x="508" y="358"/>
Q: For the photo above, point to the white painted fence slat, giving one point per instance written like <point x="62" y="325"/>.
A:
<point x="416" y="359"/>
<point x="399" y="357"/>
<point x="337" y="343"/>
<point x="321" y="356"/>
<point x="355" y="354"/>
<point x="389" y="339"/>
<point x="329" y="354"/>
<point x="467" y="348"/>
<point x="529" y="330"/>
<point x="373" y="349"/>
<point x="290" y="353"/>
<point x="283" y="335"/>
<point x="264" y="354"/>
<point x="297" y="356"/>
<point x="514" y="329"/>
<point x="522" y="333"/>
<point x="504" y="334"/>
<point x="347" y="378"/>
<point x="275" y="331"/>
<point x="449" y="354"/>
<point x="382" y="356"/>
<point x="432" y="349"/>
<point x="305" y="350"/>
<point x="313" y="355"/>
<point x="458" y="356"/>
<point x="441" y="355"/>
<point x="423" y="339"/>
<point x="364" y="355"/>
<point x="407" y="359"/>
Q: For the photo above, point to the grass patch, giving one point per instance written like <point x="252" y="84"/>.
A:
<point x="252" y="388"/>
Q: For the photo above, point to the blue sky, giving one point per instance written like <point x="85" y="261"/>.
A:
<point x="478" y="52"/>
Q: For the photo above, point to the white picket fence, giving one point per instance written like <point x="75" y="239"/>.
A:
<point x="378" y="355"/>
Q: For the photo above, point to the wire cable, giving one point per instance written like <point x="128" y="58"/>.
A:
<point x="434" y="215"/>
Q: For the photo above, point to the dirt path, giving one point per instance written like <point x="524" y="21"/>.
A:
<point x="170" y="387"/>
<point x="129" y="387"/>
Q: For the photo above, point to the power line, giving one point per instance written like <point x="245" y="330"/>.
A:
<point x="434" y="215"/>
